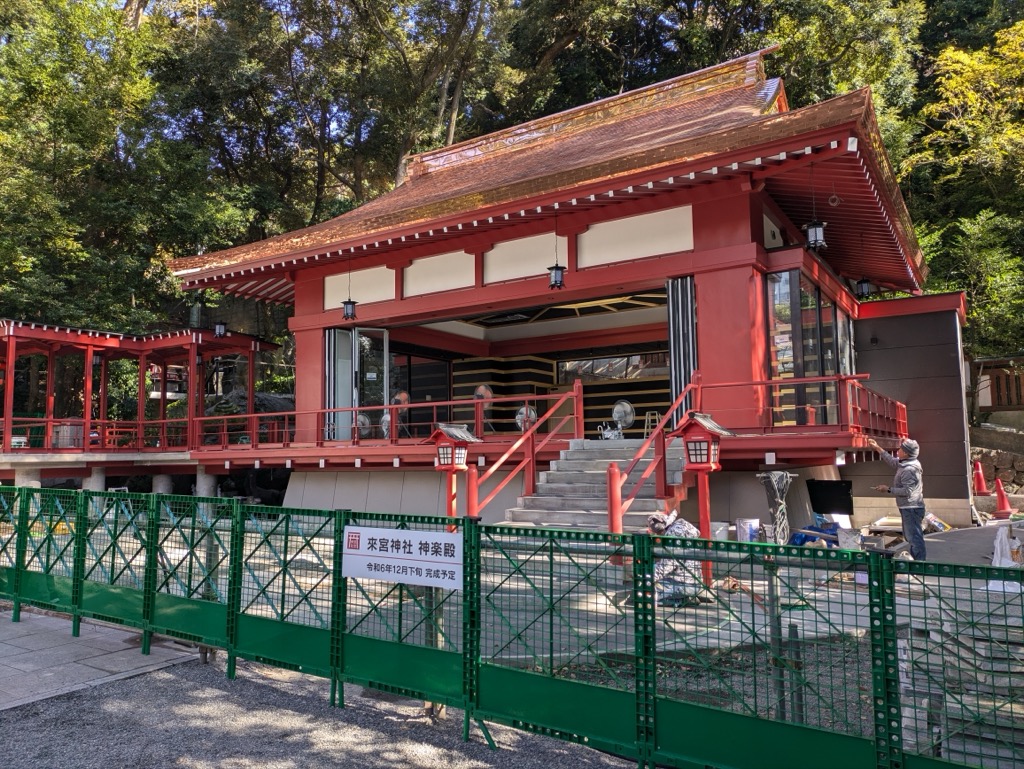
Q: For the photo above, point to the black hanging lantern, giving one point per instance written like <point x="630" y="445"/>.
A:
<point x="348" y="309"/>
<point x="220" y="329"/>
<point x="556" y="272"/>
<point x="815" y="235"/>
<point x="864" y="288"/>
<point x="815" y="229"/>
<point x="557" y="276"/>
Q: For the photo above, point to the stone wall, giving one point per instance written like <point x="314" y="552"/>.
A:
<point x="1008" y="466"/>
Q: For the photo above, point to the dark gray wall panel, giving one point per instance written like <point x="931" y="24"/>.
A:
<point x="917" y="359"/>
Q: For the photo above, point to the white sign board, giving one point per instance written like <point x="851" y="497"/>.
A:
<point x="430" y="558"/>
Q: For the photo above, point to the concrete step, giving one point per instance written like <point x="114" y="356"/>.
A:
<point x="611" y="453"/>
<point x="596" y="490"/>
<point x="599" y="477"/>
<point x="601" y="465"/>
<point x="574" y="519"/>
<point x="640" y="504"/>
<point x="574" y="492"/>
<point x="988" y="504"/>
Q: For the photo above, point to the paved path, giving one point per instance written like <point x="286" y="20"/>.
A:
<point x="970" y="546"/>
<point x="39" y="658"/>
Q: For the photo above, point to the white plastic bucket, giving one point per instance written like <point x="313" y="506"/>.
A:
<point x="719" y="530"/>
<point x="747" y="528"/>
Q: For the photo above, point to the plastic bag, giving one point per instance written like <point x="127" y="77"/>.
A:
<point x="1001" y="557"/>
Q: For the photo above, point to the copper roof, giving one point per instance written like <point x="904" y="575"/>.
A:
<point x="701" y="127"/>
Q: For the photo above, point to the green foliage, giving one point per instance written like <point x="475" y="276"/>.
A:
<point x="975" y="255"/>
<point x="979" y="116"/>
<point x="966" y="177"/>
<point x="132" y="133"/>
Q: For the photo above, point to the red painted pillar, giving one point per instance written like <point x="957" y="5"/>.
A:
<point x="309" y="388"/>
<point x="9" y="389"/>
<point x="472" y="493"/>
<point x="704" y="517"/>
<point x="614" y="499"/>
<point x="51" y="384"/>
<point x="143" y="368"/>
<point x="451" y="491"/>
<point x="250" y="391"/>
<point x="87" y="398"/>
<point x="577" y="390"/>
<point x="194" y="395"/>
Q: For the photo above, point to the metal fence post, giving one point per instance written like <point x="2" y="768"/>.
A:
<point x="234" y="593"/>
<point x="20" y="549"/>
<point x="339" y="612"/>
<point x="81" y="535"/>
<point x="471" y="566"/>
<point x="644" y="643"/>
<point x="885" y="663"/>
<point x="151" y="575"/>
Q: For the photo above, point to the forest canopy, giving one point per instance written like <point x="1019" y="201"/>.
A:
<point x="136" y="131"/>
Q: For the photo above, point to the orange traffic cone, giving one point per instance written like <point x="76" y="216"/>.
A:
<point x="1003" y="509"/>
<point x="980" y="489"/>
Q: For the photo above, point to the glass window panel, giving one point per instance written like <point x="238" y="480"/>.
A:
<point x="618" y="367"/>
<point x="811" y="344"/>
<point x="845" y="344"/>
<point x="780" y="326"/>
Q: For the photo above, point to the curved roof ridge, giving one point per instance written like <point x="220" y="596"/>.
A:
<point x="741" y="72"/>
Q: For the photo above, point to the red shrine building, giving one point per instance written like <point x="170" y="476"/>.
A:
<point x="580" y="282"/>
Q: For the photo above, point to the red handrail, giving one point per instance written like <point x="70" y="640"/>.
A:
<point x="475" y="481"/>
<point x="617" y="504"/>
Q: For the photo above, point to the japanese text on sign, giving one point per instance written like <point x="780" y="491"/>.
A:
<point x="429" y="558"/>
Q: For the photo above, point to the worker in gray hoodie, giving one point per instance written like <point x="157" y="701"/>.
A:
<point x="908" y="488"/>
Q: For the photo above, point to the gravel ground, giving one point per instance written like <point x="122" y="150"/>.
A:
<point x="191" y="716"/>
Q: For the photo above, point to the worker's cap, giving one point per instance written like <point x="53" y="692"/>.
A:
<point x="910" y="447"/>
<point x="658" y="522"/>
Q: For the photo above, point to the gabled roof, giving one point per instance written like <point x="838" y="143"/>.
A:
<point x="698" y="128"/>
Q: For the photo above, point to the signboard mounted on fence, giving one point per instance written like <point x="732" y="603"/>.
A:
<point x="428" y="558"/>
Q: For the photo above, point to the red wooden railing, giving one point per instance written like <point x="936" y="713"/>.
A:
<point x="412" y="423"/>
<point x="852" y="409"/>
<point x="782" y="405"/>
<point x="618" y="504"/>
<point x="527" y="441"/>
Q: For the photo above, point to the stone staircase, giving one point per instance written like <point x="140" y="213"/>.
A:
<point x="573" y="494"/>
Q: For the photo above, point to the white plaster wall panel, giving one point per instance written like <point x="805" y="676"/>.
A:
<point x="522" y="258"/>
<point x="350" y="490"/>
<point x="412" y="492"/>
<point x="384" y="493"/>
<point x="422" y="493"/>
<point x="301" y="493"/>
<point x="636" y="237"/>
<point x="376" y="284"/>
<point x="443" y="272"/>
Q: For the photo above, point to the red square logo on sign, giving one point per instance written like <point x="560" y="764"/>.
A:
<point x="352" y="542"/>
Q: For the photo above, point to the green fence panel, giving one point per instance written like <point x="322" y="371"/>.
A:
<point x="285" y="588"/>
<point x="960" y="646"/>
<point x="8" y="540"/>
<point x="763" y="634"/>
<point x="48" y="519"/>
<point x="192" y="550"/>
<point x="556" y="649"/>
<point x="745" y="655"/>
<point x="113" y="556"/>
<point x="403" y="637"/>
